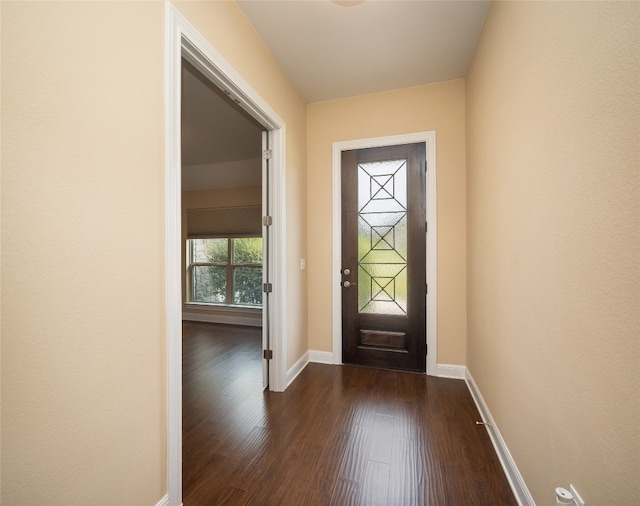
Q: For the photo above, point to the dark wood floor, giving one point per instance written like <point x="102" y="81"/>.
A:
<point x="339" y="435"/>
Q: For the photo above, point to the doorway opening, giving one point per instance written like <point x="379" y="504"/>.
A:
<point x="183" y="42"/>
<point x="224" y="248"/>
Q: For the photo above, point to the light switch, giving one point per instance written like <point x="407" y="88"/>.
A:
<point x="303" y="264"/>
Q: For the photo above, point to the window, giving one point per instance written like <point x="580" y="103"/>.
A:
<point x="225" y="271"/>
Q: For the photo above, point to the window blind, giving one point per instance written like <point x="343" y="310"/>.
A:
<point x="224" y="222"/>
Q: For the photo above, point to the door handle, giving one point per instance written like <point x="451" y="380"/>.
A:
<point x="347" y="284"/>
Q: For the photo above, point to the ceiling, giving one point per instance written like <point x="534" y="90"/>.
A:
<point x="330" y="50"/>
<point x="221" y="143"/>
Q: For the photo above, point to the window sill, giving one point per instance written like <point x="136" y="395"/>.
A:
<point x="223" y="307"/>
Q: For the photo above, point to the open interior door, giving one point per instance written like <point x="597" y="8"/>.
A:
<point x="266" y="278"/>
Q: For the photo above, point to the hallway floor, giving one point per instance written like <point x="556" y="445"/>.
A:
<point x="339" y="435"/>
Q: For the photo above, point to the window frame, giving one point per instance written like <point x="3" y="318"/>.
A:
<point x="230" y="267"/>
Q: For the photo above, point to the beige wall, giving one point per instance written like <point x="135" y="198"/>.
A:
<point x="83" y="397"/>
<point x="214" y="199"/>
<point x="83" y="348"/>
<point x="550" y="225"/>
<point x="553" y="244"/>
<point x="227" y="29"/>
<point x="438" y="107"/>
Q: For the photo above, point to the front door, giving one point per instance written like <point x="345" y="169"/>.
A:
<point x="384" y="257"/>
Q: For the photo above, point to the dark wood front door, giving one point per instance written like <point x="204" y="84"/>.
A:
<point x="384" y="257"/>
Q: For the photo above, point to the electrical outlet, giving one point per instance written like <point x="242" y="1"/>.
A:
<point x="576" y="497"/>
<point x="303" y="264"/>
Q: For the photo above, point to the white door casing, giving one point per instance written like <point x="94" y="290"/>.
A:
<point x="429" y="139"/>
<point x="183" y="41"/>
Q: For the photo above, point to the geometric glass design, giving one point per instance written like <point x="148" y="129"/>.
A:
<point x="382" y="237"/>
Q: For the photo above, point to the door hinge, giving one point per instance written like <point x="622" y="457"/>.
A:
<point x="426" y="288"/>
<point x="426" y="226"/>
<point x="267" y="154"/>
<point x="267" y="354"/>
<point x="425" y="166"/>
<point x="267" y="288"/>
<point x="267" y="221"/>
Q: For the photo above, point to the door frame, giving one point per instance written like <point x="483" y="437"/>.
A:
<point x="183" y="40"/>
<point x="429" y="139"/>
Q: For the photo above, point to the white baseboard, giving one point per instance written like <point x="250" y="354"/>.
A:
<point x="164" y="501"/>
<point x="320" y="357"/>
<point x="518" y="486"/>
<point x="297" y="368"/>
<point x="450" y="371"/>
<point x="214" y="318"/>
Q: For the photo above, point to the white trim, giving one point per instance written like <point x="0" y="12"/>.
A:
<point x="429" y="138"/>
<point x="257" y="310"/>
<point x="336" y="260"/>
<point x="218" y="318"/>
<point x="451" y="371"/>
<point x="432" y="253"/>
<point x="164" y="501"/>
<point x="297" y="368"/>
<point x="278" y="257"/>
<point x="173" y="240"/>
<point x="320" y="357"/>
<point x="518" y="486"/>
<point x="183" y="40"/>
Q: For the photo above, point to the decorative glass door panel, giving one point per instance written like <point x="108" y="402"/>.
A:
<point x="382" y="237"/>
<point x="384" y="258"/>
